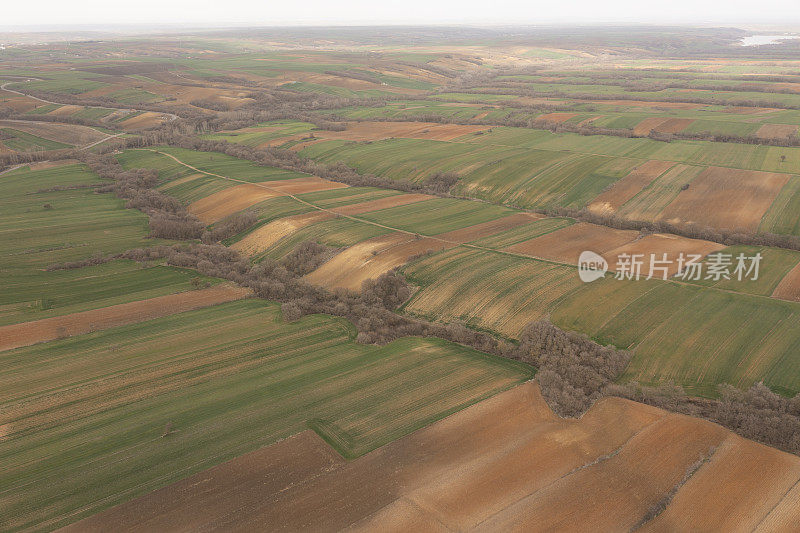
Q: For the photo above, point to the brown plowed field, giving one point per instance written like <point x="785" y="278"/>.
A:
<point x="776" y="131"/>
<point x="148" y="119"/>
<point x="264" y="237"/>
<point x="726" y="198"/>
<point x="505" y="464"/>
<point x="647" y="125"/>
<point x="371" y="258"/>
<point x="659" y="244"/>
<point x="566" y="244"/>
<point x="629" y="186"/>
<point x="661" y="124"/>
<point x="556" y="118"/>
<point x="733" y="491"/>
<point x="486" y="229"/>
<point x="789" y="287"/>
<point x="381" y="203"/>
<point x="65" y="110"/>
<point x="48" y="329"/>
<point x="228" y="201"/>
<point x="303" y="185"/>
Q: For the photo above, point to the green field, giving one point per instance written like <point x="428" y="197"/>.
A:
<point x="230" y="379"/>
<point x="697" y="336"/>
<point x="78" y="225"/>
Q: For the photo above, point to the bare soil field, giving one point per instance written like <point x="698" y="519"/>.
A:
<point x="65" y="110"/>
<point x="382" y="203"/>
<point x="726" y="198"/>
<point x="48" y="329"/>
<point x="371" y="258"/>
<point x="225" y="202"/>
<point x="228" y="201"/>
<point x="674" y="125"/>
<point x="303" y="185"/>
<point x="264" y="237"/>
<point x="487" y="229"/>
<point x="64" y="133"/>
<point x="658" y="244"/>
<point x="738" y="486"/>
<point x="789" y="287"/>
<point x="629" y="186"/>
<point x="776" y="131"/>
<point x="565" y="245"/>
<point x="661" y="124"/>
<point x="505" y="464"/>
<point x="556" y="118"/>
<point x="148" y="119"/>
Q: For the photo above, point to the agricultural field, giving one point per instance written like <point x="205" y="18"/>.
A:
<point x="441" y="471"/>
<point x="379" y="279"/>
<point x="270" y="380"/>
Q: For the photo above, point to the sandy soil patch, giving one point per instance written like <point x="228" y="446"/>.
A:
<point x="789" y="287"/>
<point x="381" y="203"/>
<point x="65" y="133"/>
<point x="505" y="464"/>
<point x="556" y="118"/>
<point x="228" y="201"/>
<point x="49" y="329"/>
<point x="726" y="198"/>
<point x="566" y="244"/>
<point x="629" y="186"/>
<point x="487" y="229"/>
<point x="263" y="238"/>
<point x="776" y="131"/>
<point x="371" y="258"/>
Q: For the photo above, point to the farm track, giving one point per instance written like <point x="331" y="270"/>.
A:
<point x="447" y="242"/>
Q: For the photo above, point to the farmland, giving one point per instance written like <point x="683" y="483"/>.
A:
<point x="534" y="460"/>
<point x="504" y="276"/>
<point x="330" y="278"/>
<point x="270" y="380"/>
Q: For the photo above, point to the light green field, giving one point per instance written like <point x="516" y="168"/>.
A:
<point x="230" y="379"/>
<point x="79" y="225"/>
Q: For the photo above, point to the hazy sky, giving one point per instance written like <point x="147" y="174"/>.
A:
<point x="267" y="12"/>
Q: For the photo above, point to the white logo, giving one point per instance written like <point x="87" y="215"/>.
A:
<point x="591" y="266"/>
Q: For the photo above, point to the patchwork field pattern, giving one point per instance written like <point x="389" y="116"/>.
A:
<point x="435" y="478"/>
<point x="270" y="380"/>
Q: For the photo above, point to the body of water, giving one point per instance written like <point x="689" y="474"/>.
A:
<point x="758" y="40"/>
